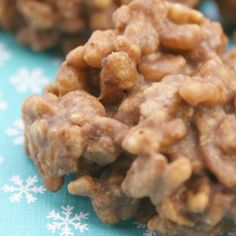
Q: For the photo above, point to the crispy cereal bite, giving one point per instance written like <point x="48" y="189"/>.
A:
<point x="50" y="23"/>
<point x="185" y="151"/>
<point x="144" y="113"/>
<point x="59" y="131"/>
<point x="109" y="202"/>
<point x="149" y="36"/>
<point x="64" y="23"/>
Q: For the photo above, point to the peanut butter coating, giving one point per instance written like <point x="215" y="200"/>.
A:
<point x="63" y="23"/>
<point x="144" y="111"/>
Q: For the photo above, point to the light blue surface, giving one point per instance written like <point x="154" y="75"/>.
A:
<point x="22" y="73"/>
<point x="21" y="216"/>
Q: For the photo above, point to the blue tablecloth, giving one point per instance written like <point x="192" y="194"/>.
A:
<point x="26" y="208"/>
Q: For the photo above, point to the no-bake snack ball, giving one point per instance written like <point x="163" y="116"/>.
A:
<point x="108" y="200"/>
<point x="59" y="130"/>
<point x="144" y="113"/>
<point x="64" y="23"/>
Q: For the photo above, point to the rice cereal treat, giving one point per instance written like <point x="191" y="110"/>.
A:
<point x="60" y="130"/>
<point x="108" y="200"/>
<point x="144" y="113"/>
<point x="50" y="23"/>
<point x="63" y="23"/>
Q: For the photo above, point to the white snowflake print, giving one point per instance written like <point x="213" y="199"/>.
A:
<point x="20" y="189"/>
<point x="33" y="80"/>
<point x="65" y="222"/>
<point x="147" y="232"/>
<point x="16" y="132"/>
<point x="3" y="103"/>
<point x="139" y="225"/>
<point x="4" y="54"/>
<point x="1" y="160"/>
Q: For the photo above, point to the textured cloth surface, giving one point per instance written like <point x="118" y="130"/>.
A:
<point x="26" y="208"/>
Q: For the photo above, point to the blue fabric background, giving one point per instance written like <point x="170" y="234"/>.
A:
<point x="24" y="210"/>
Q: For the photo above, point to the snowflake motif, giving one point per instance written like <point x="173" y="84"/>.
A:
<point x="147" y="232"/>
<point x="139" y="225"/>
<point x="20" y="188"/>
<point x="25" y="80"/>
<point x="5" y="55"/>
<point x="65" y="222"/>
<point x="3" y="103"/>
<point x="16" y="132"/>
<point x="1" y="160"/>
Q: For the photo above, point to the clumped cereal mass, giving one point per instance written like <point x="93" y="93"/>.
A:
<point x="43" y="24"/>
<point x="144" y="113"/>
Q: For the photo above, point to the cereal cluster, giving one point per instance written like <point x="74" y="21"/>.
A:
<point x="44" y="24"/>
<point x="64" y="23"/>
<point x="144" y="114"/>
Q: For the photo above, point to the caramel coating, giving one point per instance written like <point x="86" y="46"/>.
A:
<point x="109" y="202"/>
<point x="184" y="134"/>
<point x="158" y="65"/>
<point x="144" y="112"/>
<point x="45" y="24"/>
<point x="59" y="131"/>
<point x="63" y="23"/>
<point x="121" y="58"/>
<point x="174" y="219"/>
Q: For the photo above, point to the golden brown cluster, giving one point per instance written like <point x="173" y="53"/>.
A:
<point x="144" y="113"/>
<point x="64" y="23"/>
<point x="67" y="128"/>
